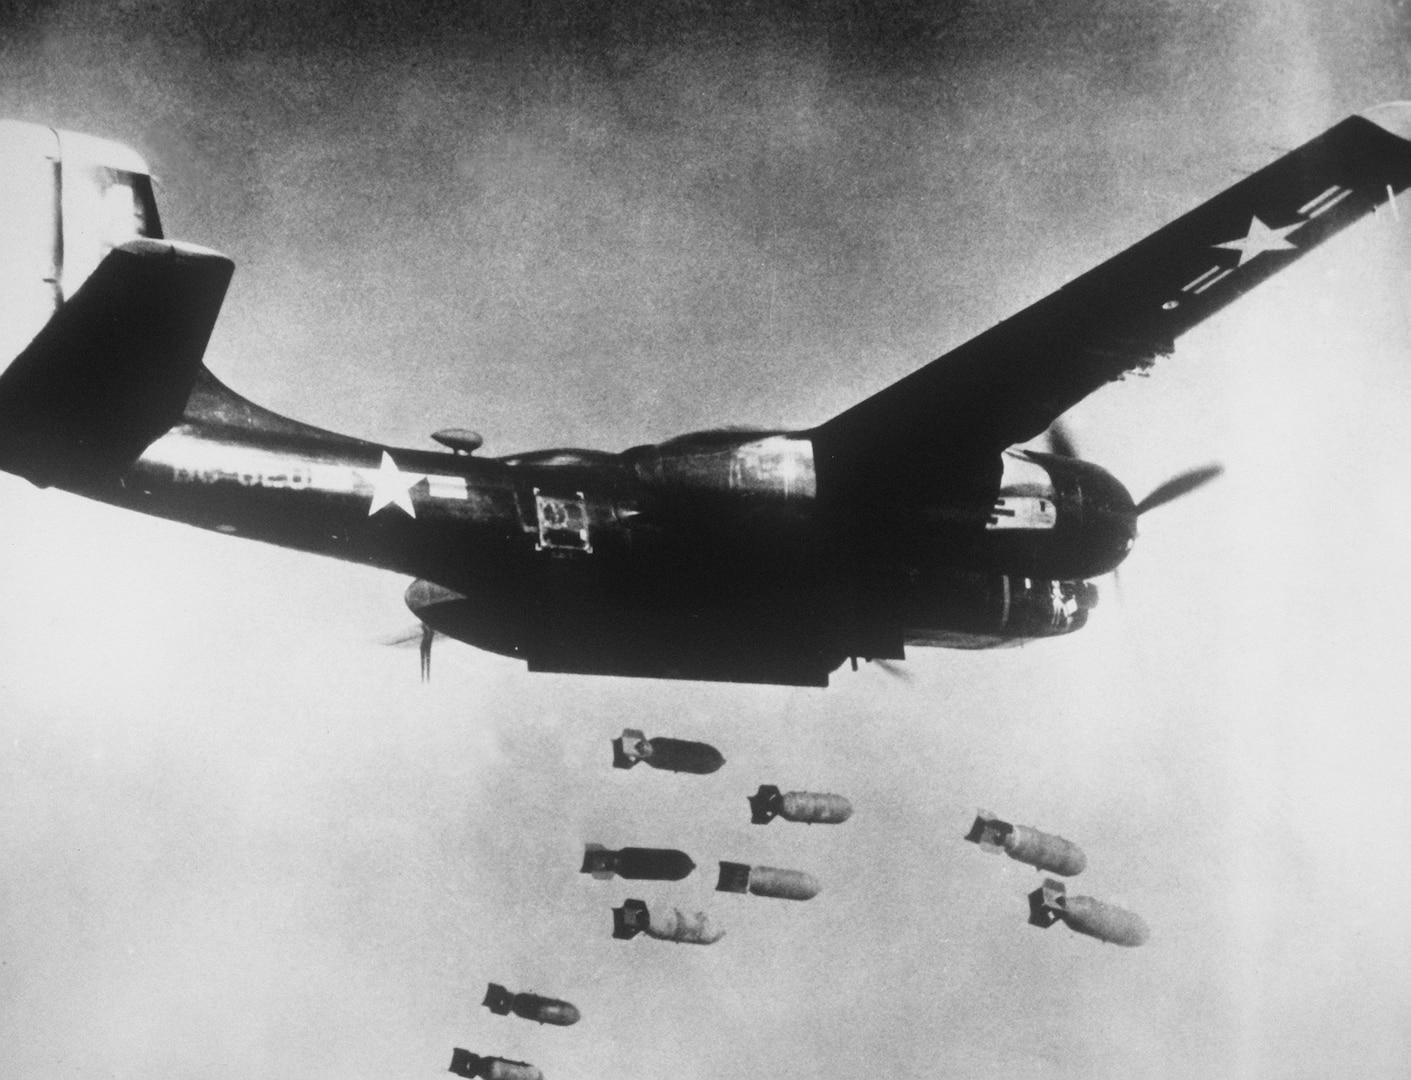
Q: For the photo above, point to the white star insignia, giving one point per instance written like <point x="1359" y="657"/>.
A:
<point x="391" y="486"/>
<point x="1260" y="239"/>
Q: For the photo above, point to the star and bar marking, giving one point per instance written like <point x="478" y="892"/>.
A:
<point x="1260" y="238"/>
<point x="391" y="486"/>
<point x="1326" y="201"/>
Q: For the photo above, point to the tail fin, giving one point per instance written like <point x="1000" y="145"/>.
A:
<point x="734" y="877"/>
<point x="599" y="861"/>
<point x="102" y="322"/>
<point x="464" y="1063"/>
<point x="1047" y="903"/>
<point x="627" y="750"/>
<point x="764" y="804"/>
<point x="630" y="919"/>
<point x="989" y="832"/>
<point x="498" y="1000"/>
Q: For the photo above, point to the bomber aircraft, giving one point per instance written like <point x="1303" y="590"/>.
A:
<point x="770" y="556"/>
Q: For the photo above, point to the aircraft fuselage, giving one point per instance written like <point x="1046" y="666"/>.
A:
<point x="719" y="546"/>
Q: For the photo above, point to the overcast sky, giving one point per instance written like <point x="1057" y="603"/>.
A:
<point x="239" y="838"/>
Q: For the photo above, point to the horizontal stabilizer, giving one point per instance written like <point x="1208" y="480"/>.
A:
<point x="113" y="368"/>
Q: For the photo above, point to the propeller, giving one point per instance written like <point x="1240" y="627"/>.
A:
<point x="1061" y="443"/>
<point x="1060" y="440"/>
<point x="428" y="635"/>
<point x="1179" y="485"/>
<point x="891" y="668"/>
<point x="425" y="635"/>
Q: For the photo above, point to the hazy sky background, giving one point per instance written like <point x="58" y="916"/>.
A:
<point x="239" y="838"/>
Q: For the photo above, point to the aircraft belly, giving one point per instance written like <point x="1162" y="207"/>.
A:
<point x="579" y="624"/>
<point x="719" y="646"/>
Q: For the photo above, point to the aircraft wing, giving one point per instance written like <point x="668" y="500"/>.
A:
<point x="1011" y="382"/>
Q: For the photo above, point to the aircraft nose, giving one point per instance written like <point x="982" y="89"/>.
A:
<point x="1112" y="514"/>
<point x="1120" y="527"/>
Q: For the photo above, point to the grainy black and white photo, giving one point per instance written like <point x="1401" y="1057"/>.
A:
<point x="613" y="541"/>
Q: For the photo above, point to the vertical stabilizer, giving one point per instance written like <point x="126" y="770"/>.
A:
<point x="103" y="324"/>
<point x="66" y="200"/>
<point x="30" y="236"/>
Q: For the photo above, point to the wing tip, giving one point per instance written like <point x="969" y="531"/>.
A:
<point x="1391" y="116"/>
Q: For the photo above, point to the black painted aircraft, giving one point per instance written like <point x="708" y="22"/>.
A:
<point x="736" y="555"/>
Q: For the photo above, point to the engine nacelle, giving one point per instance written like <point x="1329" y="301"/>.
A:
<point x="769" y="464"/>
<point x="1058" y="518"/>
<point x="987" y="611"/>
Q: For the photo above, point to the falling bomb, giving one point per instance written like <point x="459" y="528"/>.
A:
<point x="767" y="881"/>
<point x="1049" y="903"/>
<point x="1041" y="850"/>
<point x="636" y="863"/>
<point x="541" y="1010"/>
<point x="475" y="1067"/>
<point x="673" y="755"/>
<point x="672" y="924"/>
<point x="814" y="808"/>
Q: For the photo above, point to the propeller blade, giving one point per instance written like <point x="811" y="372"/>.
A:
<point x="1060" y="440"/>
<point x="1181" y="484"/>
<point x="891" y="668"/>
<point x="423" y="636"/>
<point x="428" y="635"/>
